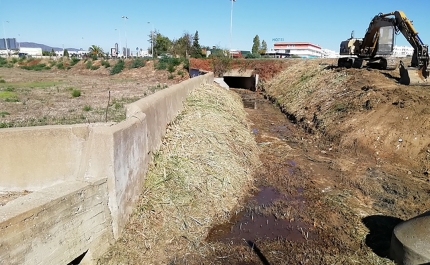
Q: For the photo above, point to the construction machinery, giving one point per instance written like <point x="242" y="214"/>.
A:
<point x="377" y="48"/>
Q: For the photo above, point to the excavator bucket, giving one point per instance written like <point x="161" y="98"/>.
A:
<point x="414" y="76"/>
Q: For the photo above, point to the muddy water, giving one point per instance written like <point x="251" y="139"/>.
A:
<point x="273" y="211"/>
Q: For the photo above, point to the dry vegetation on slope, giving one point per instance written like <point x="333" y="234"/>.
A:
<point x="203" y="170"/>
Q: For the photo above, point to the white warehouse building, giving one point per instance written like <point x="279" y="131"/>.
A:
<point x="301" y="50"/>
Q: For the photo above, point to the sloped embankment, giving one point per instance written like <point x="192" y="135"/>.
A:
<point x="358" y="110"/>
<point x="203" y="169"/>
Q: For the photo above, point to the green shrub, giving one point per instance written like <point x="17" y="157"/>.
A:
<point x="60" y="65"/>
<point x="10" y="89"/>
<point x="94" y="67"/>
<point x="4" y="63"/>
<point x="171" y="76"/>
<point x="52" y="63"/>
<point x="36" y="67"/>
<point x="2" y="81"/>
<point x="181" y="73"/>
<point x="137" y="63"/>
<point x="76" y="93"/>
<point x="74" y="61"/>
<point x="4" y="113"/>
<point x="87" y="108"/>
<point x="171" y="68"/>
<point x="88" y="64"/>
<point x="106" y="63"/>
<point x="14" y="60"/>
<point x="117" y="68"/>
<point x="94" y="57"/>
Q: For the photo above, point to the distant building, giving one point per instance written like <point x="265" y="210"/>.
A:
<point x="30" y="51"/>
<point x="403" y="51"/>
<point x="330" y="53"/>
<point x="10" y="43"/>
<point x="296" y="49"/>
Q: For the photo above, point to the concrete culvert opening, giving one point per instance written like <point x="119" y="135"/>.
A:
<point x="78" y="260"/>
<point x="241" y="82"/>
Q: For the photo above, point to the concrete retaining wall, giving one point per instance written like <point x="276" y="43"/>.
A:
<point x="43" y="159"/>
<point x="56" y="224"/>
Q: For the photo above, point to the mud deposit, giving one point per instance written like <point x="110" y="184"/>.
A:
<point x="313" y="204"/>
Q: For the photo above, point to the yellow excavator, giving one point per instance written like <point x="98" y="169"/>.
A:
<point x="377" y="48"/>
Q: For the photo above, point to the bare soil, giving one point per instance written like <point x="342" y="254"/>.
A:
<point x="345" y="161"/>
<point x="29" y="98"/>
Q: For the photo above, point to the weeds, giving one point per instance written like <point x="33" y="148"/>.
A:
<point x="137" y="63"/>
<point x="74" y="61"/>
<point x="171" y="76"/>
<point x="36" y="67"/>
<point x="4" y="63"/>
<point x="105" y="63"/>
<point x="88" y="64"/>
<point x="118" y="67"/>
<point x="76" y="93"/>
<point x="167" y="63"/>
<point x="2" y="81"/>
<point x="60" y="65"/>
<point x="4" y="113"/>
<point x="87" y="108"/>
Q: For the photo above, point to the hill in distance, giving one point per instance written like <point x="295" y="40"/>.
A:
<point x="44" y="47"/>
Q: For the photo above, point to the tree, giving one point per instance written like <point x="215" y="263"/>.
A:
<point x="52" y="52"/>
<point x="182" y="46"/>
<point x="256" y="44"/>
<point x="263" y="48"/>
<point x="96" y="51"/>
<point x="221" y="61"/>
<point x="162" y="44"/>
<point x="196" y="50"/>
<point x="66" y="53"/>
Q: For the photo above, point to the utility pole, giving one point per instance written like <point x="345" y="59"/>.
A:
<point x="152" y="40"/>
<point x="5" y="40"/>
<point x="231" y="25"/>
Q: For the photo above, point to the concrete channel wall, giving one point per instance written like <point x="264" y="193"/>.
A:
<point x="84" y="179"/>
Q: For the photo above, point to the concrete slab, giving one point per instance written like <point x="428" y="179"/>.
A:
<point x="410" y="242"/>
<point x="239" y="72"/>
<point x="220" y="81"/>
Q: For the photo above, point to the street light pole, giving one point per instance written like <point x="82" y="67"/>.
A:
<point x="231" y="23"/>
<point x="152" y="40"/>
<point x="5" y="40"/>
<point x="125" y="28"/>
<point x="119" y="36"/>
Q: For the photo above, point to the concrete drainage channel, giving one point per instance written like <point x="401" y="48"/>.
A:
<point x="83" y="180"/>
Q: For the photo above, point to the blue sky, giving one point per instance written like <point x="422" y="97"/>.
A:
<point x="80" y="24"/>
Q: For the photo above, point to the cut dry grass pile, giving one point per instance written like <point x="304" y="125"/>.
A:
<point x="202" y="171"/>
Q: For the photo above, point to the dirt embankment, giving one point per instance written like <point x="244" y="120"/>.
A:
<point x="362" y="111"/>
<point x="265" y="68"/>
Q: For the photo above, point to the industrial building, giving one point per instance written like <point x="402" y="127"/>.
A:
<point x="296" y="49"/>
